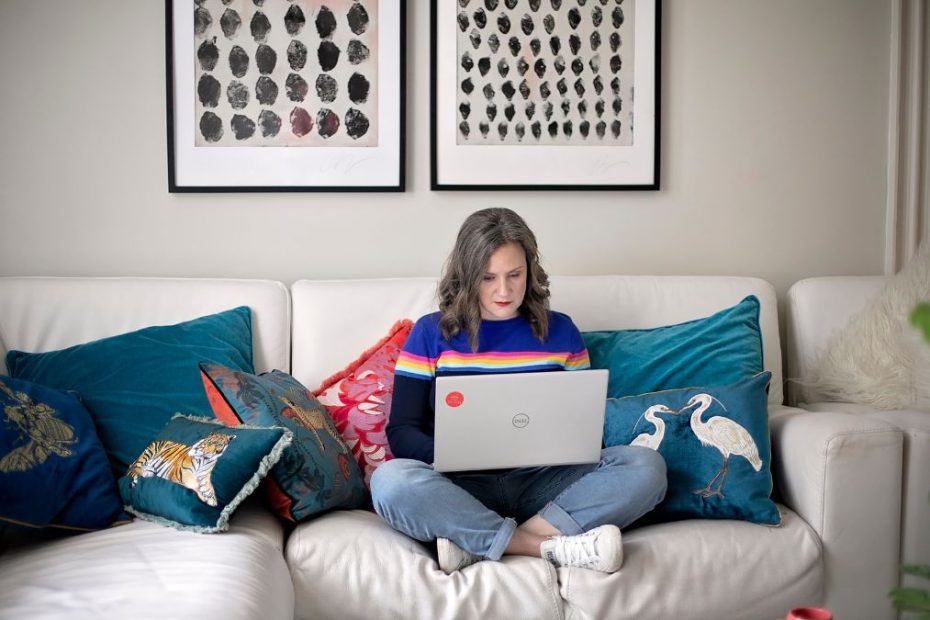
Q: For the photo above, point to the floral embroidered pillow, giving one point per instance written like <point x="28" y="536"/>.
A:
<point x="359" y="399"/>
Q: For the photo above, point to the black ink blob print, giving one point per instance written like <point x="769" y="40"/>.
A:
<point x="269" y="123"/>
<point x="615" y="129"/>
<point x="480" y="17"/>
<point x="598" y="85"/>
<point x="555" y="44"/>
<point x="524" y="89"/>
<point x="566" y="106"/>
<point x="544" y="90"/>
<point x="327" y="122"/>
<point x="326" y="88"/>
<point x="615" y="63"/>
<point x="614" y="41"/>
<point x="357" y="123"/>
<point x="238" y="61"/>
<point x="553" y="129"/>
<point x="296" y="55"/>
<point x="464" y="129"/>
<point x="490" y="4"/>
<point x="296" y="87"/>
<point x="530" y="110"/>
<point x="595" y="63"/>
<point x="600" y="107"/>
<point x="601" y="129"/>
<point x="301" y="123"/>
<point x="327" y="55"/>
<point x="491" y="112"/>
<point x="508" y="90"/>
<point x="462" y="19"/>
<point x="211" y="127"/>
<point x="556" y="4"/>
<point x="243" y="127"/>
<point x="475" y="38"/>
<point x="503" y="68"/>
<point x="503" y="23"/>
<point x="484" y="65"/>
<point x="358" y="19"/>
<point x="574" y="18"/>
<point x="266" y="91"/>
<point x="208" y="55"/>
<point x="514" y="46"/>
<point x="595" y="40"/>
<point x="534" y="5"/>
<point x="237" y="94"/>
<point x="549" y="23"/>
<point x="502" y="129"/>
<point x="540" y="68"/>
<point x="616" y="17"/>
<point x="230" y="22"/>
<point x="526" y="24"/>
<point x="547" y="110"/>
<point x="567" y="129"/>
<point x="520" y="130"/>
<point x="202" y="21"/>
<point x="359" y="88"/>
<point x="559" y="65"/>
<point x="325" y="23"/>
<point x="615" y="86"/>
<point x="488" y="91"/>
<point x="522" y="66"/>
<point x="465" y="109"/>
<point x="579" y="87"/>
<point x="258" y="2"/>
<point x="574" y="43"/>
<point x="467" y="86"/>
<point x="536" y="129"/>
<point x="494" y="43"/>
<point x="617" y="105"/>
<point x="467" y="62"/>
<point x="510" y="112"/>
<point x="265" y="59"/>
<point x="582" y="108"/>
<point x="535" y="47"/>
<point x="260" y="27"/>
<point x="510" y="4"/>
<point x="484" y="128"/>
<point x="208" y="91"/>
<point x="584" y="128"/>
<point x="577" y="66"/>
<point x="357" y="52"/>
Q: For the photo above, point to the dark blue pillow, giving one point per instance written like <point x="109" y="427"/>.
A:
<point x="53" y="471"/>
<point x="133" y="383"/>
<point x="196" y="471"/>
<point x="714" y="350"/>
<point x="715" y="441"/>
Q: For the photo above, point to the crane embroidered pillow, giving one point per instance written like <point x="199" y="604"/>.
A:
<point x="317" y="473"/>
<point x="715" y="441"/>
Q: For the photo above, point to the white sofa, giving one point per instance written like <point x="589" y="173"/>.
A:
<point x="817" y="309"/>
<point x="837" y="478"/>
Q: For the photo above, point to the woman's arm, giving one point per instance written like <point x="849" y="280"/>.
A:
<point x="410" y="426"/>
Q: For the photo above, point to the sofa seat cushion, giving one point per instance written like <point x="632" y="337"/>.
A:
<point x="142" y="570"/>
<point x="368" y="570"/>
<point x="702" y="570"/>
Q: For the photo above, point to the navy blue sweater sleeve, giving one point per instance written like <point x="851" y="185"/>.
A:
<point x="410" y="426"/>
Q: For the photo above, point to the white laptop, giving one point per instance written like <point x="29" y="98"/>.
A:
<point x="492" y="421"/>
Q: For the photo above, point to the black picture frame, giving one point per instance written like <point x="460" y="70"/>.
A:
<point x="344" y="168"/>
<point x="483" y="161"/>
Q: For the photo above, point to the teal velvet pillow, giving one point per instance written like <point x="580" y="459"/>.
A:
<point x="317" y="473"/>
<point x="53" y="470"/>
<point x="197" y="471"/>
<point x="715" y="441"/>
<point x="133" y="383"/>
<point x="718" y="349"/>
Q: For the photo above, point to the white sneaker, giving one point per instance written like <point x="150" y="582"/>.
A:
<point x="599" y="549"/>
<point x="452" y="557"/>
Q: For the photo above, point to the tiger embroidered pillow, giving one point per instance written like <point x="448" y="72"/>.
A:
<point x="197" y="471"/>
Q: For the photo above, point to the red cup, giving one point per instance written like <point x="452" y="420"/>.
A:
<point x="809" y="613"/>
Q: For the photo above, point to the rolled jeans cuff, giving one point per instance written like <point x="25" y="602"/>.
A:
<point x="502" y="539"/>
<point x="560" y="520"/>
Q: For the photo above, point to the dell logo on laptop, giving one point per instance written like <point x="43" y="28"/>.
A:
<point x="520" y="420"/>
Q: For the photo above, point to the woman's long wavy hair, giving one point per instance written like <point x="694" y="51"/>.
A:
<point x="481" y="234"/>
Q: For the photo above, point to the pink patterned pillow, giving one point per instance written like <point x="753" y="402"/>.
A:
<point x="358" y="399"/>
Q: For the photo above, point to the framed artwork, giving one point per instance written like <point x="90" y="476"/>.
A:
<point x="285" y="95"/>
<point x="539" y="94"/>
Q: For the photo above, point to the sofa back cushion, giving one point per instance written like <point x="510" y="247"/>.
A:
<point x="46" y="314"/>
<point x="334" y="319"/>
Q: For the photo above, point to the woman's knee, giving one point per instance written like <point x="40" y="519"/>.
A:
<point x="648" y="464"/>
<point x="393" y="479"/>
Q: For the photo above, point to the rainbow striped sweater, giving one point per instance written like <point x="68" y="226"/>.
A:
<point x="503" y="346"/>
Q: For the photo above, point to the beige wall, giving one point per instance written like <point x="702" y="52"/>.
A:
<point x="774" y="122"/>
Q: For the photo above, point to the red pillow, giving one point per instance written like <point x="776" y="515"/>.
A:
<point x="358" y="399"/>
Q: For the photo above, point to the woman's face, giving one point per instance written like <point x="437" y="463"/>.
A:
<point x="503" y="284"/>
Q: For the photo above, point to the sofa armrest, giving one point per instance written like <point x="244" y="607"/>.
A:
<point x="842" y="475"/>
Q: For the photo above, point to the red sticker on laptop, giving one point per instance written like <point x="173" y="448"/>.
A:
<point x="454" y="399"/>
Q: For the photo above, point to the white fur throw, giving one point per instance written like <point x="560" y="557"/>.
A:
<point x="879" y="359"/>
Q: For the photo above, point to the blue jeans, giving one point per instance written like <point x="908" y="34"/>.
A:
<point x="480" y="511"/>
